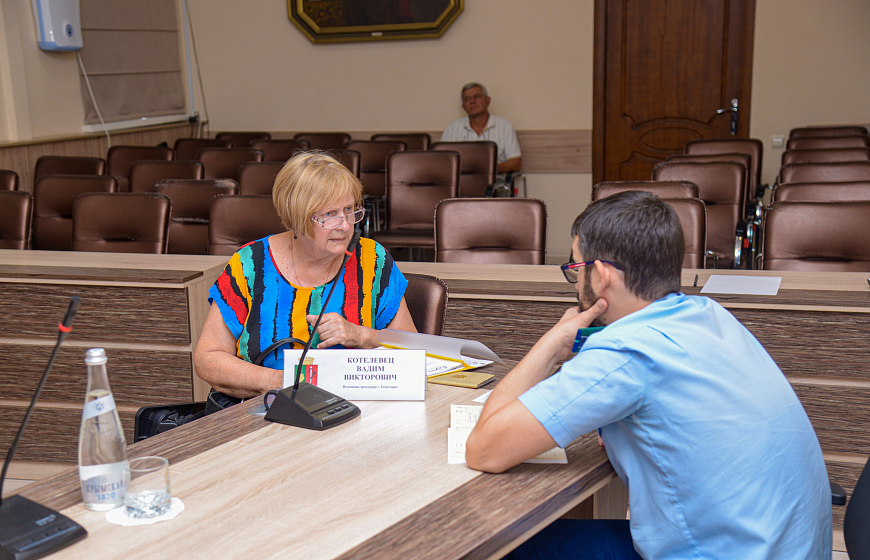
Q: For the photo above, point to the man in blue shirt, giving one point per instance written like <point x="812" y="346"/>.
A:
<point x="717" y="452"/>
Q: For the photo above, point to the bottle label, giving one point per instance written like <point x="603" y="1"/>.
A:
<point x="104" y="484"/>
<point x="99" y="406"/>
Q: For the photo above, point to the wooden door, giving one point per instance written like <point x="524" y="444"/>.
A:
<point x="666" y="72"/>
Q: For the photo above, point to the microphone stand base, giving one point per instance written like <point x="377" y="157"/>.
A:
<point x="310" y="407"/>
<point x="30" y="530"/>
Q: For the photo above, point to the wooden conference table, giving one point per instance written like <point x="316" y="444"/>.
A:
<point x="377" y="487"/>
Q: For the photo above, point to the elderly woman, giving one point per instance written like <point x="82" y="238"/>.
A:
<point x="274" y="288"/>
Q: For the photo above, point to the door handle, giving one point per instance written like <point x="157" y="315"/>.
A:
<point x="733" y="110"/>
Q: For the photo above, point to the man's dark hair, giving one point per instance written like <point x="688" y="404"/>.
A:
<point x="640" y="233"/>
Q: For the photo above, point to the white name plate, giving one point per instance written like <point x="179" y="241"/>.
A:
<point x="363" y="375"/>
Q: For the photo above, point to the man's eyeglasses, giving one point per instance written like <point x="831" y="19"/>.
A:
<point x="333" y="222"/>
<point x="571" y="270"/>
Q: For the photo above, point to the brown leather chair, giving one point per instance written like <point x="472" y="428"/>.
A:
<point x="121" y="158"/>
<point x="827" y="155"/>
<point x="234" y="221"/>
<point x="721" y="187"/>
<point x="68" y="165"/>
<point x="426" y="297"/>
<point x="144" y="175"/>
<point x="752" y="147"/>
<point x="693" y="217"/>
<point x="821" y="143"/>
<point x="8" y="180"/>
<point x="416" y="182"/>
<point x="826" y="131"/>
<point x="242" y="139"/>
<point x="373" y="163"/>
<point x="256" y="178"/>
<point x="742" y="158"/>
<point x="348" y="158"/>
<point x="224" y="163"/>
<point x="491" y="230"/>
<point x="822" y="192"/>
<point x="279" y="150"/>
<point x="478" y="162"/>
<point x="187" y="148"/>
<point x="53" y="200"/>
<point x="837" y="172"/>
<point x="824" y="236"/>
<point x="324" y="140"/>
<point x="191" y="203"/>
<point x="121" y="222"/>
<point x="412" y="140"/>
<point x="16" y="208"/>
<point x="662" y="189"/>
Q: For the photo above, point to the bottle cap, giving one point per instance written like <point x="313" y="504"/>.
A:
<point x="95" y="356"/>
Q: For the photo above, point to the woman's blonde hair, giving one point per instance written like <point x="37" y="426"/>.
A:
<point x="308" y="182"/>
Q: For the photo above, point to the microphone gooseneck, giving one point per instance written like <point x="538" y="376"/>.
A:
<point x="347" y="253"/>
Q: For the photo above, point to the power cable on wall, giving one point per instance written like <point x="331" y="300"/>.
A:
<point x="93" y="99"/>
<point x="189" y="27"/>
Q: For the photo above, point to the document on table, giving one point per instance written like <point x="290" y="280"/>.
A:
<point x="742" y="285"/>
<point x="463" y="418"/>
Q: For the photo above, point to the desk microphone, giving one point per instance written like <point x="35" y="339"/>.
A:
<point x="305" y="405"/>
<point x="27" y="529"/>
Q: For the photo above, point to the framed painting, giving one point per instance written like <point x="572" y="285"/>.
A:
<point x="330" y="21"/>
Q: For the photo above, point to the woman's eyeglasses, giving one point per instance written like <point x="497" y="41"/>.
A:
<point x="333" y="222"/>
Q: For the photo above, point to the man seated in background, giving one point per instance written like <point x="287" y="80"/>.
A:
<point x="482" y="125"/>
<point x="717" y="452"/>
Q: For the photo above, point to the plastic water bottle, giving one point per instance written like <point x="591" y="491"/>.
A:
<point x="102" y="448"/>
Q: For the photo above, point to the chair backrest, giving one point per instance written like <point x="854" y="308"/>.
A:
<point x="721" y="187"/>
<point x="279" y="150"/>
<point x="242" y="139"/>
<point x="662" y="189"/>
<point x="824" y="236"/>
<point x="825" y="155"/>
<point x="373" y="162"/>
<point x="324" y="140"/>
<point x="826" y="131"/>
<point x="743" y="159"/>
<point x="191" y="203"/>
<point x="256" y="178"/>
<point x="822" y="192"/>
<point x="68" y="165"/>
<point x="832" y="172"/>
<point x="144" y="175"/>
<point x="121" y="222"/>
<point x="491" y="230"/>
<point x="821" y="143"/>
<point x="752" y="147"/>
<point x="120" y="159"/>
<point x="348" y="158"/>
<point x="224" y="163"/>
<point x="53" y="199"/>
<point x="187" y="148"/>
<point x="478" y="162"/>
<point x="857" y="518"/>
<point x="234" y="221"/>
<point x="8" y="180"/>
<point x="416" y="182"/>
<point x="426" y="297"/>
<point x="16" y="209"/>
<point x="693" y="218"/>
<point x="412" y="140"/>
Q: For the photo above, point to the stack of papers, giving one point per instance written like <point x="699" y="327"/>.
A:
<point x="463" y="418"/>
<point x="443" y="354"/>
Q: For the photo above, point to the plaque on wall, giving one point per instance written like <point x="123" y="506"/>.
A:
<point x="329" y="21"/>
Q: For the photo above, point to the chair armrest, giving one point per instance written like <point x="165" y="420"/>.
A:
<point x="838" y="494"/>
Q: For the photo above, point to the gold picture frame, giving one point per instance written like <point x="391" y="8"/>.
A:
<point x="332" y="21"/>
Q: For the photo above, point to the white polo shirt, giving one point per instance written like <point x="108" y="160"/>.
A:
<point x="498" y="130"/>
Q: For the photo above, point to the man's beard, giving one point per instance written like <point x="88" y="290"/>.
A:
<point x="587" y="299"/>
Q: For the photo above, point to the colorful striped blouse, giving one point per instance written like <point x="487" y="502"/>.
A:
<point x="260" y="306"/>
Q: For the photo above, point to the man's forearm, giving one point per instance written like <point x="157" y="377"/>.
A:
<point x="512" y="164"/>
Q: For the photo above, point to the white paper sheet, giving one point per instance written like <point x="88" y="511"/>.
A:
<point x="742" y="285"/>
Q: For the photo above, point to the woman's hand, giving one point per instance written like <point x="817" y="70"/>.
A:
<point x="335" y="329"/>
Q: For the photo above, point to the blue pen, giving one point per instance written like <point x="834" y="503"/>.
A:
<point x="582" y="335"/>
